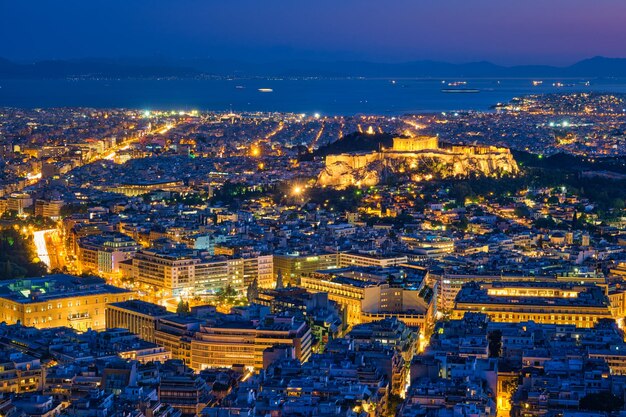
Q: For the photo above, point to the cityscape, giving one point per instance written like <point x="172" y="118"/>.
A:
<point x="245" y="261"/>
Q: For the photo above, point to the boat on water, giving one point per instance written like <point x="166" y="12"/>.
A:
<point x="457" y="83"/>
<point x="560" y="85"/>
<point x="239" y="87"/>
<point x="460" y="90"/>
<point x="266" y="90"/>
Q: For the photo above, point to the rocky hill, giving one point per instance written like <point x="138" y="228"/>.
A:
<point x="367" y="169"/>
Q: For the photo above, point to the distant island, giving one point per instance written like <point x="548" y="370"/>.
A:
<point x="596" y="67"/>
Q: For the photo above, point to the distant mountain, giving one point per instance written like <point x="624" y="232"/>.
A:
<point x="90" y="68"/>
<point x="597" y="67"/>
<point x="593" y="68"/>
<point x="599" y="64"/>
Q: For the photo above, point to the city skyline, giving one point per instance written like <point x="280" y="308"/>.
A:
<point x="354" y="208"/>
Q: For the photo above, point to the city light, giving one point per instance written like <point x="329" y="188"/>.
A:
<point x="39" y="238"/>
<point x="280" y="245"/>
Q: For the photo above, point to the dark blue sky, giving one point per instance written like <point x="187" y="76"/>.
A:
<point x="502" y="31"/>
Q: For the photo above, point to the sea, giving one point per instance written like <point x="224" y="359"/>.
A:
<point x="329" y="97"/>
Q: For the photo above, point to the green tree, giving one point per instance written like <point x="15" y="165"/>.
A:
<point x="227" y="294"/>
<point x="544" y="223"/>
<point x="17" y="256"/>
<point x="602" y="401"/>
<point x="183" y="307"/>
<point x="495" y="343"/>
<point x="617" y="204"/>
<point x="522" y="211"/>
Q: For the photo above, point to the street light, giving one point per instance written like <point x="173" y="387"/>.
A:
<point x="297" y="190"/>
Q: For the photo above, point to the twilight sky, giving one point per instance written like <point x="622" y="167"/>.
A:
<point x="502" y="31"/>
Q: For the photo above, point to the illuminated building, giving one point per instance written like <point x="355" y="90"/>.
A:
<point x="347" y="293"/>
<point x="347" y="259"/>
<point x="389" y="332"/>
<point x="261" y="268"/>
<point x="102" y="254"/>
<point x="415" y="144"/>
<point x="140" y="188"/>
<point x="185" y="272"/>
<point x="175" y="332"/>
<point x="187" y="393"/>
<point x="449" y="285"/>
<point x="51" y="209"/>
<point x="217" y="273"/>
<point x="20" y="373"/>
<point x="619" y="269"/>
<point x="293" y="266"/>
<point x="415" y="306"/>
<point x="170" y="273"/>
<point x="542" y="302"/>
<point x="243" y="341"/>
<point x="137" y="316"/>
<point x="18" y="202"/>
<point x="323" y="315"/>
<point x="371" y="294"/>
<point x="59" y="300"/>
<point x="200" y="241"/>
<point x="430" y="248"/>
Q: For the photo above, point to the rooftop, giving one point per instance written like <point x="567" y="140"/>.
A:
<point x="552" y="294"/>
<point x="142" y="307"/>
<point x="52" y="287"/>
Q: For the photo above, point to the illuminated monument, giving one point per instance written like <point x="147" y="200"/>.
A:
<point x="416" y="158"/>
<point x="415" y="144"/>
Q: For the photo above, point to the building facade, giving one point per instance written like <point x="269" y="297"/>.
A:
<point x="582" y="305"/>
<point x="102" y="254"/>
<point x="243" y="342"/>
<point x="59" y="300"/>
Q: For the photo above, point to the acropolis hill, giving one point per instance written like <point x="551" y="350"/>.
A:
<point x="417" y="159"/>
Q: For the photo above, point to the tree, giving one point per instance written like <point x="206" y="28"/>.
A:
<point x="495" y="343"/>
<point x="183" y="307"/>
<point x="253" y="290"/>
<point x="17" y="256"/>
<point x="394" y="403"/>
<point x="553" y="200"/>
<point x="617" y="204"/>
<point x="601" y="401"/>
<point x="522" y="211"/>
<point x="227" y="294"/>
<point x="544" y="223"/>
<point x="279" y="280"/>
<point x="462" y="223"/>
